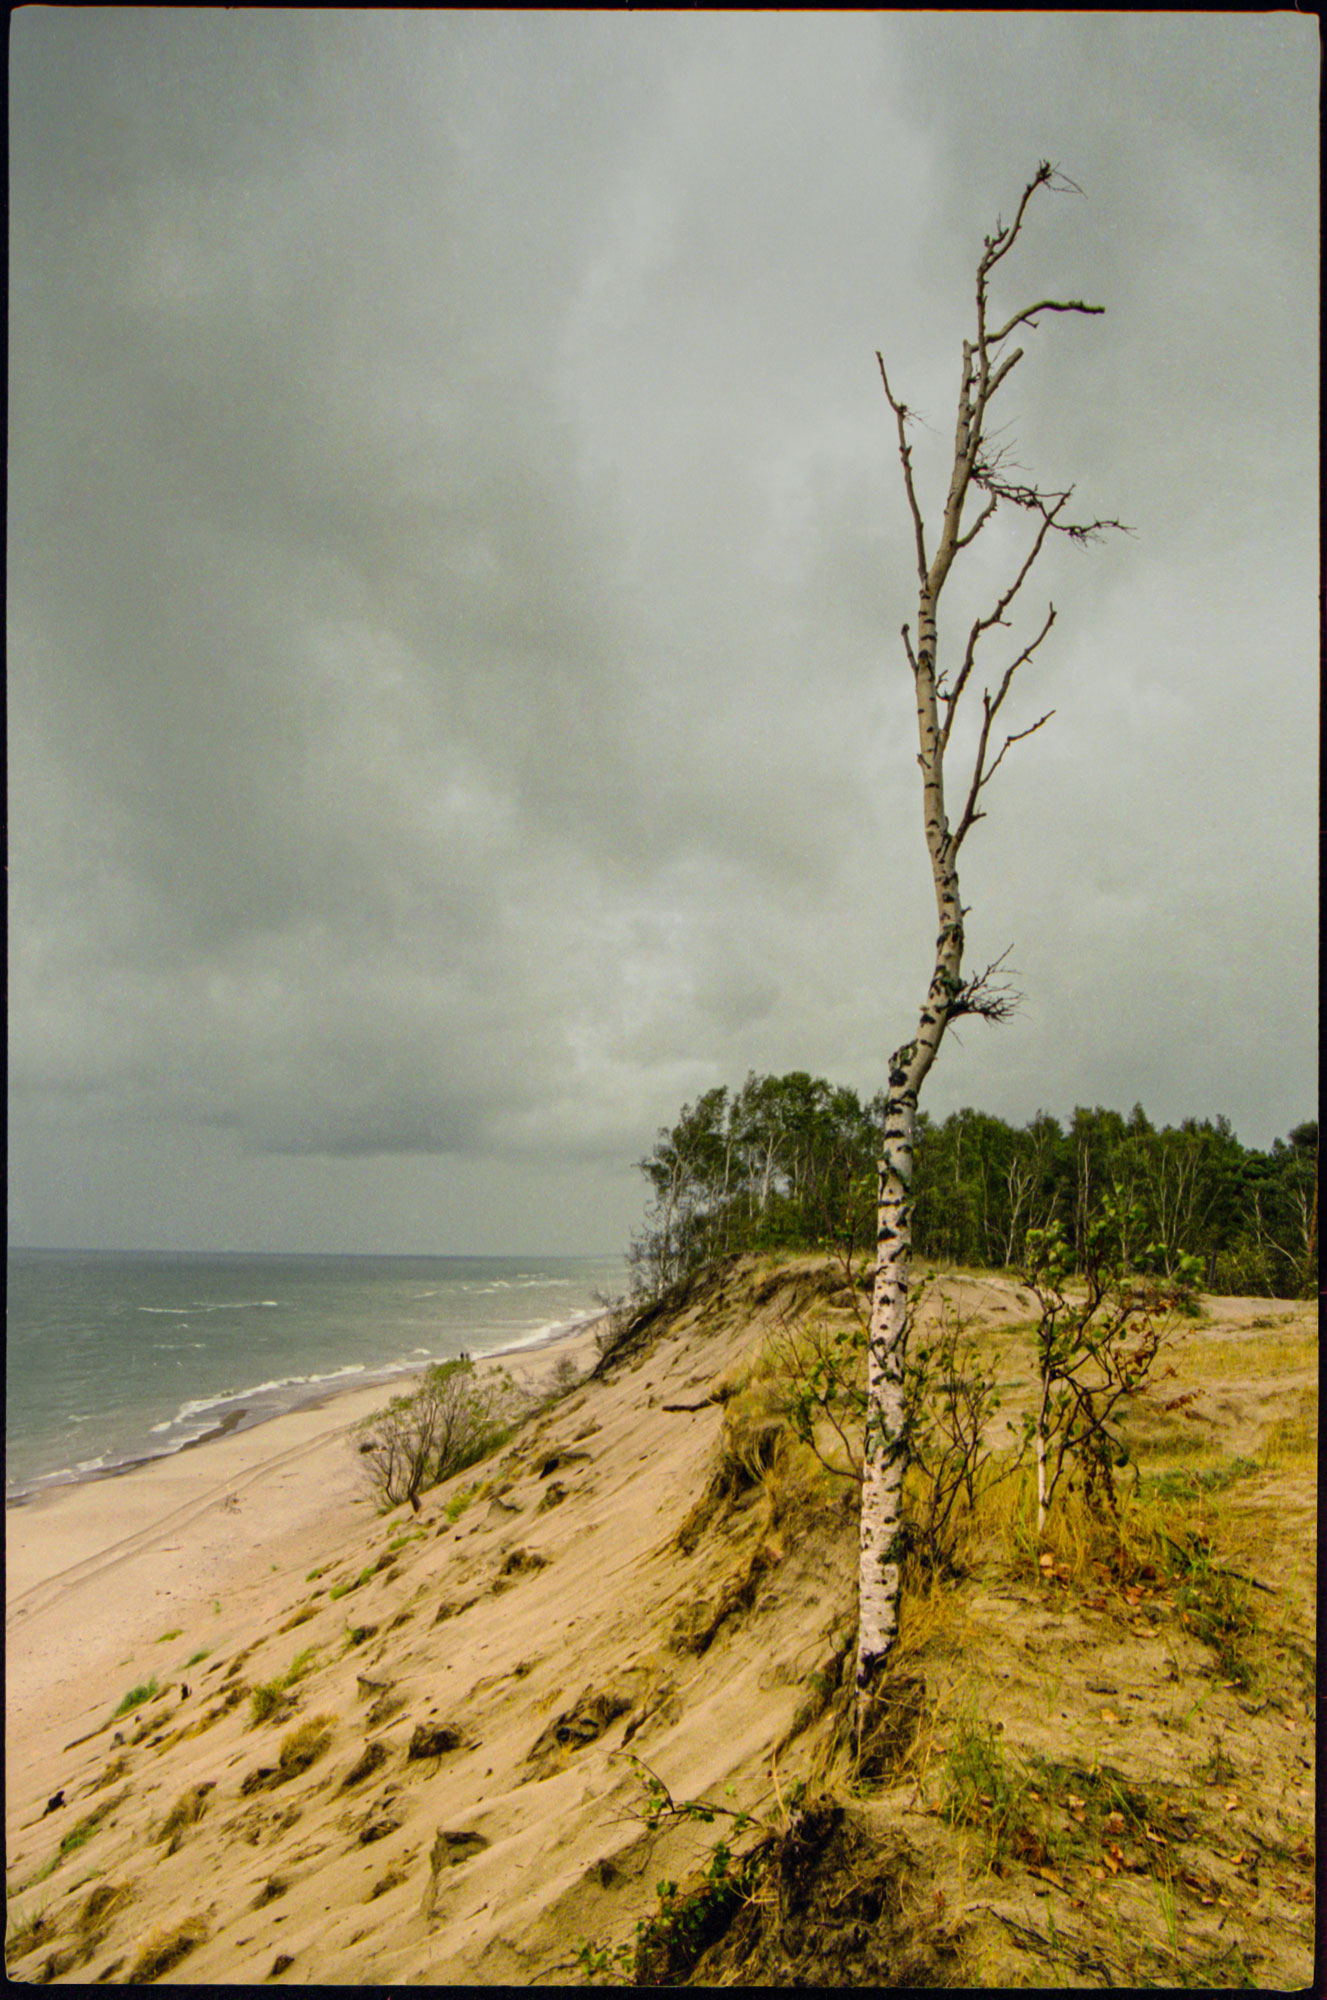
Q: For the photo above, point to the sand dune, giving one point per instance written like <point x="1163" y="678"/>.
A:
<point x="411" y="1749"/>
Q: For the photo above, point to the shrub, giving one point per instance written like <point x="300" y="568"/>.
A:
<point x="1095" y="1349"/>
<point x="949" y="1399"/>
<point x="456" y="1417"/>
<point x="564" y="1378"/>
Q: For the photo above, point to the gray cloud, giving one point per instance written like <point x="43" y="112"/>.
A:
<point x="456" y="562"/>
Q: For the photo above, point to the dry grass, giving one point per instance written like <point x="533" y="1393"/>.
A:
<point x="166" y="1946"/>
<point x="1290" y="1444"/>
<point x="102" y="1904"/>
<point x="1240" y="1359"/>
<point x="186" y="1812"/>
<point x="304" y="1746"/>
<point x="35" y="1927"/>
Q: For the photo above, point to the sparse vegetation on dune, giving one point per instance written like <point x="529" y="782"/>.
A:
<point x="610" y="1739"/>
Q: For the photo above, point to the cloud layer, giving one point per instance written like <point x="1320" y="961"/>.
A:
<point x="456" y="560"/>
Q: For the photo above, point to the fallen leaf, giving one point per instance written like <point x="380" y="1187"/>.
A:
<point x="1109" y="1715"/>
<point x="1048" y="1875"/>
<point x="1231" y="1801"/>
<point x="1046" y="1562"/>
<point x="1113" y="1823"/>
<point x="1072" y="1798"/>
<point x="1113" y="1858"/>
<point x="1157" y="1839"/>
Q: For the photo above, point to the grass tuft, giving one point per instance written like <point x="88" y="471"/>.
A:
<point x="304" y="1746"/>
<point x="166" y="1946"/>
<point x="136" y="1697"/>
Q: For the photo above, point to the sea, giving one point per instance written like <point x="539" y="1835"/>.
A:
<point x="114" y="1358"/>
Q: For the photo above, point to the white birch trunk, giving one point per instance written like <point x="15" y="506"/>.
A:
<point x="884" y="1452"/>
<point x="1042" y="1507"/>
<point x="987" y="362"/>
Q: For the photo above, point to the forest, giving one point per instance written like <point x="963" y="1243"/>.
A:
<point x="789" y="1163"/>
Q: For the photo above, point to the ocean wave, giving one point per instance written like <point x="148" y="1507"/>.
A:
<point x="553" y="1329"/>
<point x="204" y="1405"/>
<point x="214" y="1306"/>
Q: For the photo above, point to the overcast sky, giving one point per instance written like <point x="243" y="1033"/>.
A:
<point x="456" y="562"/>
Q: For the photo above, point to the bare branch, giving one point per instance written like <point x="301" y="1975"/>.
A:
<point x="1028" y="316"/>
<point x="978" y="524"/>
<point x="991" y="704"/>
<point x="1017" y="737"/>
<point x="901" y="417"/>
<point x="982" y="996"/>
<point x="1048" y="505"/>
<point x="1010" y="361"/>
<point x="996" y="617"/>
<point x="1002" y="242"/>
<point x="907" y="646"/>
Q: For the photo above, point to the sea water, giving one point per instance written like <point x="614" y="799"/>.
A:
<point x="112" y="1358"/>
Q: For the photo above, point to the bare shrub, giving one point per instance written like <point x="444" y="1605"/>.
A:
<point x="456" y="1417"/>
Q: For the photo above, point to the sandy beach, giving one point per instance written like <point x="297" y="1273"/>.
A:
<point x="96" y="1572"/>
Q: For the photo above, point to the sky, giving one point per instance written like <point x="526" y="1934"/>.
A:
<point x="456" y="704"/>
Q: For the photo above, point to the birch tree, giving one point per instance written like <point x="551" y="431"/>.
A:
<point x="983" y="480"/>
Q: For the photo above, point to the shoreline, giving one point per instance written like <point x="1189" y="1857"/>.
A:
<point x="99" y="1572"/>
<point x="246" y="1420"/>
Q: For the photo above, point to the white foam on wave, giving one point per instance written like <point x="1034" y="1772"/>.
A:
<point x="553" y="1329"/>
<point x="214" y="1306"/>
<point x="203" y="1405"/>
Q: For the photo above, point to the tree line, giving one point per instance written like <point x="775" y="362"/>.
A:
<point x="790" y="1163"/>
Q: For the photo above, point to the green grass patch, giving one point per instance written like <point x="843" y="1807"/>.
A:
<point x="269" y="1697"/>
<point x="1215" y="1605"/>
<point x="77" y="1836"/>
<point x="136" y="1697"/>
<point x="194" y="1658"/>
<point x="983" y="1789"/>
<point x="166" y="1637"/>
<point x="403" y="1541"/>
<point x="1187" y="1482"/>
<point x="353" y="1583"/>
